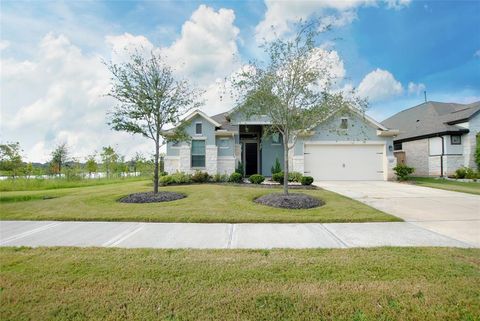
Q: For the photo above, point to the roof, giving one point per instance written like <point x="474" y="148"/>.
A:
<point x="431" y="118"/>
<point x="201" y="113"/>
<point x="224" y="122"/>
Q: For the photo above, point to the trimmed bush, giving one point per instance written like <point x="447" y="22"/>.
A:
<point x="461" y="173"/>
<point x="276" y="168"/>
<point x="403" y="171"/>
<point x="278" y="177"/>
<point x="256" y="179"/>
<point x="200" y="177"/>
<point x="236" y="178"/>
<point x="165" y="180"/>
<point x="306" y="180"/>
<point x="181" y="178"/>
<point x="295" y="177"/>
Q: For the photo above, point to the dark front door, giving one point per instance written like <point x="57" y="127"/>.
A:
<point x="251" y="158"/>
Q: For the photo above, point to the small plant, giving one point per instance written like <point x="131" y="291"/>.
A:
<point x="295" y="177"/>
<point x="240" y="169"/>
<point x="461" y="173"/>
<point x="278" y="177"/>
<point x="200" y="177"/>
<point x="256" y="179"/>
<point x="403" y="171"/>
<point x="166" y="180"/>
<point x="220" y="178"/>
<point x="181" y="178"/>
<point x="477" y="152"/>
<point x="470" y="173"/>
<point x="306" y="180"/>
<point x="276" y="168"/>
<point x="236" y="178"/>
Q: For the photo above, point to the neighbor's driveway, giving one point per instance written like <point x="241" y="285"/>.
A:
<point x="453" y="214"/>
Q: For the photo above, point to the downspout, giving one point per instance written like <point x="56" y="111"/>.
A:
<point x="441" y="156"/>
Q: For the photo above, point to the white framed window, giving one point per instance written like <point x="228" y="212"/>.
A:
<point x="198" y="128"/>
<point x="198" y="153"/>
<point x="223" y="143"/>
<point x="276" y="139"/>
<point x="344" y="123"/>
<point x="456" y="140"/>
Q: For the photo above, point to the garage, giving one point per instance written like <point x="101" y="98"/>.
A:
<point x="344" y="162"/>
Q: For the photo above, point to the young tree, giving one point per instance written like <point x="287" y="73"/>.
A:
<point x="59" y="158"/>
<point x="91" y="164"/>
<point x="11" y="159"/>
<point x="109" y="159"/>
<point x="293" y="88"/>
<point x="150" y="99"/>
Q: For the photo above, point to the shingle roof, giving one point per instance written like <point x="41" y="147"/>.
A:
<point x="222" y="119"/>
<point x="431" y="118"/>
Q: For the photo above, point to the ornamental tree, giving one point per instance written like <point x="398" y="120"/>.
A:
<point x="294" y="88"/>
<point x="150" y="99"/>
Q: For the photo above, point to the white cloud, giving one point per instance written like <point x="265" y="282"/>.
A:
<point x="379" y="85"/>
<point x="123" y="46"/>
<point x="4" y="44"/>
<point x="207" y="47"/>
<point x="281" y="14"/>
<point x="56" y="96"/>
<point x="477" y="54"/>
<point x="415" y="89"/>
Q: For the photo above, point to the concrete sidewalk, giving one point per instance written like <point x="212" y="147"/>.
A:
<point x="219" y="236"/>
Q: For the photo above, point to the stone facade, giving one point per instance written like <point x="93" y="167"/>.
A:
<point x="171" y="164"/>
<point x="211" y="155"/>
<point x="416" y="155"/>
<point x="225" y="165"/>
<point x="298" y="164"/>
<point x="434" y="167"/>
<point x="451" y="163"/>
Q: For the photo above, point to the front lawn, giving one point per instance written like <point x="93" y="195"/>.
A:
<point x="449" y="185"/>
<point x="205" y="203"/>
<point x="146" y="284"/>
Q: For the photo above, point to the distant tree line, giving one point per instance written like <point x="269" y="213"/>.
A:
<point x="62" y="165"/>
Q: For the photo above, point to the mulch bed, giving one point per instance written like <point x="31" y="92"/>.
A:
<point x="150" y="197"/>
<point x="290" y="201"/>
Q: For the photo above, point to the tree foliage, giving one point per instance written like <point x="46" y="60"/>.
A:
<point x="109" y="160"/>
<point x="91" y="164"/>
<point x="59" y="157"/>
<point x="149" y="100"/>
<point x="293" y="88"/>
<point x="11" y="158"/>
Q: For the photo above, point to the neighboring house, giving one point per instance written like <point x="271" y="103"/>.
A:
<point x="347" y="146"/>
<point x="436" y="138"/>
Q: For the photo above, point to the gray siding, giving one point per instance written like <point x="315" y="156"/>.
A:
<point x="269" y="153"/>
<point x="226" y="146"/>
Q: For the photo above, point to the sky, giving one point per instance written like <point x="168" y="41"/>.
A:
<point x="53" y="82"/>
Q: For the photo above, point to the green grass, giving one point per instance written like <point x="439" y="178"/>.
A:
<point x="146" y="284"/>
<point x="23" y="184"/>
<point x="204" y="203"/>
<point x="464" y="187"/>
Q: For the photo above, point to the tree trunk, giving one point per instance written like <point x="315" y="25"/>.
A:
<point x="155" y="170"/>
<point x="285" y="167"/>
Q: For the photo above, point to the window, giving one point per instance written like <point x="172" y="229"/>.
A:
<point x="223" y="143"/>
<point x="276" y="138"/>
<point x="175" y="144"/>
<point x="397" y="146"/>
<point x="198" y="128"/>
<point x="456" y="140"/>
<point x="198" y="153"/>
<point x="344" y="123"/>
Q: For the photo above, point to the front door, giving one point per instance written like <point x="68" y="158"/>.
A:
<point x="250" y="158"/>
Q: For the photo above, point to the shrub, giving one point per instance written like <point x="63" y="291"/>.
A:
<point x="166" y="180"/>
<point x="200" y="177"/>
<point x="278" y="177"/>
<point x="403" y="171"/>
<point x="276" y="168"/>
<point x="240" y="169"/>
<point x="236" y="178"/>
<point x="477" y="153"/>
<point x="295" y="177"/>
<point x="306" y="180"/>
<point x="470" y="173"/>
<point x="181" y="178"/>
<point x="256" y="179"/>
<point x="220" y="178"/>
<point x="461" y="172"/>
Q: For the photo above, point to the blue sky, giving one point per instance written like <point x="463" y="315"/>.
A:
<point x="52" y="80"/>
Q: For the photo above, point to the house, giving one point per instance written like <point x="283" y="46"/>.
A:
<point x="436" y="138"/>
<point x="347" y="146"/>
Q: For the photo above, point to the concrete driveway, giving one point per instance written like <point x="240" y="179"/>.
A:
<point x="454" y="214"/>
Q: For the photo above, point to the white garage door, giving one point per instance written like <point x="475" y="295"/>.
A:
<point x="344" y="162"/>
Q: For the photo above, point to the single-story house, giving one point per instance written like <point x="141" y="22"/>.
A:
<point x="436" y="138"/>
<point x="347" y="146"/>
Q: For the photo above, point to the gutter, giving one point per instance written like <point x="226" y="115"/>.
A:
<point x="441" y="156"/>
